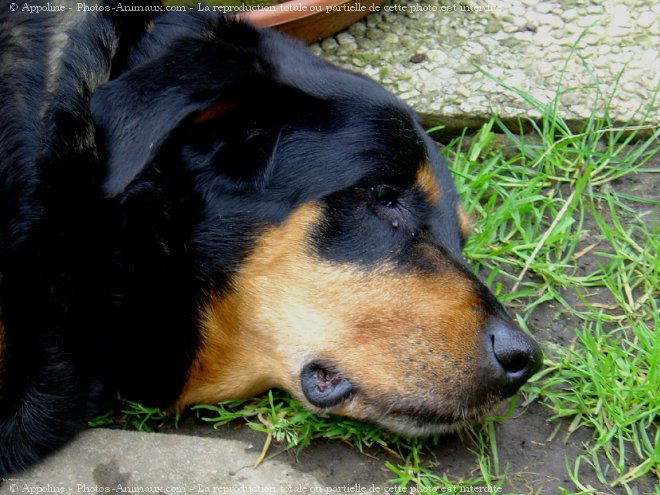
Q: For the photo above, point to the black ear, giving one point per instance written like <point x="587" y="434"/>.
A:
<point x="128" y="146"/>
<point x="237" y="140"/>
<point x="134" y="114"/>
<point x="197" y="83"/>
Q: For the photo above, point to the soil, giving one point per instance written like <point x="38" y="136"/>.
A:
<point x="532" y="463"/>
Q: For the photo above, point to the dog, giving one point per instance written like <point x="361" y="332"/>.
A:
<point x="194" y="210"/>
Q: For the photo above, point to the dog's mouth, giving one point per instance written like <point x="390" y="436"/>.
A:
<point x="413" y="426"/>
<point x="329" y="390"/>
<point x="422" y="422"/>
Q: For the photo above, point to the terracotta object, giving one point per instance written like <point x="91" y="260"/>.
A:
<point x="312" y="20"/>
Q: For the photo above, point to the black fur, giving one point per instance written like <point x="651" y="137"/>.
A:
<point x="122" y="205"/>
<point x="50" y="243"/>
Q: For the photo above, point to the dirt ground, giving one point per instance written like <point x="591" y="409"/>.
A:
<point x="532" y="463"/>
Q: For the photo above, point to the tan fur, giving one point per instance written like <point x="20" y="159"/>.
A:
<point x="428" y="183"/>
<point x="464" y="222"/>
<point x="395" y="335"/>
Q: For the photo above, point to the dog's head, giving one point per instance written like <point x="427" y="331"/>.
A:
<point x="323" y="229"/>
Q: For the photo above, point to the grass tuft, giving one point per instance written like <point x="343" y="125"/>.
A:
<point x="123" y="413"/>
<point x="280" y="415"/>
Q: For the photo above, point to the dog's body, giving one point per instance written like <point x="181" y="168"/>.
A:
<point x="192" y="211"/>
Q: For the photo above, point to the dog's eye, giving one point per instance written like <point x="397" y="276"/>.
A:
<point x="385" y="195"/>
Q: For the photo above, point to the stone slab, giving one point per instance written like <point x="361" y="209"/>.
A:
<point x="116" y="461"/>
<point x="432" y="52"/>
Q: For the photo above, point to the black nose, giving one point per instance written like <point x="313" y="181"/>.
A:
<point x="513" y="357"/>
<point x="324" y="386"/>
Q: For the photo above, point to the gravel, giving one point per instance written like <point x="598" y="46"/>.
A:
<point x="428" y="52"/>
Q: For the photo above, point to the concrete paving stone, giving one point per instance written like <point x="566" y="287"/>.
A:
<point x="116" y="461"/>
<point x="523" y="42"/>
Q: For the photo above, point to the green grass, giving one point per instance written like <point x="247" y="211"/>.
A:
<point x="616" y="373"/>
<point x="544" y="203"/>
<point x="132" y="415"/>
<point x="284" y="419"/>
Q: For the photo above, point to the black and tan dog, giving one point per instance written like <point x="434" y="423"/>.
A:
<point x="192" y="210"/>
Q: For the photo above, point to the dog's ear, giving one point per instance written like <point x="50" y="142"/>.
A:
<point x="133" y="116"/>
<point x="194" y="88"/>
<point x="238" y="138"/>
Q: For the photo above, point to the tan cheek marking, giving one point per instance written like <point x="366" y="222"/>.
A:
<point x="427" y="182"/>
<point x="268" y="303"/>
<point x="386" y="330"/>
<point x="427" y="336"/>
<point x="464" y="222"/>
<point x="229" y="364"/>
